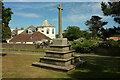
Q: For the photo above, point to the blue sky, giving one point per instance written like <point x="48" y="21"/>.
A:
<point x="73" y="14"/>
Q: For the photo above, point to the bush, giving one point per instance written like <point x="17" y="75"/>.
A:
<point x="110" y="44"/>
<point x="83" y="45"/>
<point x="43" y="43"/>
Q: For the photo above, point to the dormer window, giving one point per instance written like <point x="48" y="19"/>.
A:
<point x="47" y="31"/>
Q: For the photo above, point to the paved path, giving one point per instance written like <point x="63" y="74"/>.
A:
<point x="38" y="53"/>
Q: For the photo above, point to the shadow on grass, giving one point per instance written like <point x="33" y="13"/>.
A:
<point x="97" y="68"/>
<point x="3" y="54"/>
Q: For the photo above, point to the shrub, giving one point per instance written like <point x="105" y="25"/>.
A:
<point x="43" y="43"/>
<point x="110" y="44"/>
<point x="37" y="45"/>
<point x="84" y="45"/>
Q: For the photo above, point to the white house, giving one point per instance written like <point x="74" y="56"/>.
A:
<point x="47" y="29"/>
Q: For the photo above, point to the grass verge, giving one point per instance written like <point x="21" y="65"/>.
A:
<point x="19" y="66"/>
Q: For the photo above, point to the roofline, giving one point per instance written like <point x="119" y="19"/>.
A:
<point x="45" y="26"/>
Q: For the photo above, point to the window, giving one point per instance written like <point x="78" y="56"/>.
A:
<point x="52" y="31"/>
<point x="42" y="30"/>
<point x="47" y="31"/>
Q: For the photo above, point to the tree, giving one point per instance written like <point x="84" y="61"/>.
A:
<point x="112" y="9"/>
<point x="115" y="31"/>
<point x="72" y="32"/>
<point x="95" y="24"/>
<point x="86" y="34"/>
<point x="6" y="17"/>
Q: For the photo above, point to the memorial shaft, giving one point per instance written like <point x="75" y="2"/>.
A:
<point x="60" y="21"/>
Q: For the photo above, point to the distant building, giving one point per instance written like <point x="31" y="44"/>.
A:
<point x="47" y="29"/>
<point x="32" y="34"/>
<point x="17" y="31"/>
<point x="114" y="38"/>
<point x="29" y="38"/>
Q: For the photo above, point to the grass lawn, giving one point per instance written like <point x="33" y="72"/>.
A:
<point x="19" y="66"/>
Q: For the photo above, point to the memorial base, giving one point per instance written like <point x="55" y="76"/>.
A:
<point x="59" y="57"/>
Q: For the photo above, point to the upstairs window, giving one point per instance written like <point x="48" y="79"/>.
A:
<point x="47" y="31"/>
<point x="52" y="31"/>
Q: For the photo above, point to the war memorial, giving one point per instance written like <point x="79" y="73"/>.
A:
<point x="60" y="56"/>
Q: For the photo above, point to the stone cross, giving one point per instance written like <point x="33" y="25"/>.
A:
<point x="60" y="21"/>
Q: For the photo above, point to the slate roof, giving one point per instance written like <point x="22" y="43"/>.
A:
<point x="37" y="36"/>
<point x="45" y="24"/>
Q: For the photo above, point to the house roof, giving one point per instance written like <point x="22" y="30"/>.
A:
<point x="114" y="38"/>
<point x="45" y="24"/>
<point x="37" y="36"/>
<point x="32" y="27"/>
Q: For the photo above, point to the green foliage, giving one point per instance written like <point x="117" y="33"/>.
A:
<point x="6" y="32"/>
<point x="83" y="45"/>
<point x="46" y="43"/>
<point x="43" y="43"/>
<point x="112" y="9"/>
<point x="6" y="17"/>
<point x="95" y="25"/>
<point x="110" y="44"/>
<point x="37" y="45"/>
<point x="86" y="34"/>
<point x="110" y="32"/>
<point x="74" y="32"/>
<point x="56" y="35"/>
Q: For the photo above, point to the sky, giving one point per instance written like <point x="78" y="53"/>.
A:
<point x="73" y="14"/>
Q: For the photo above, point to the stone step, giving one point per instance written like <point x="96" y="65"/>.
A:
<point x="57" y="59"/>
<point x="63" y="68"/>
<point x="59" y="45"/>
<point x="59" y="52"/>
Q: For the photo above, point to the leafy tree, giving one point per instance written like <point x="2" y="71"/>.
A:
<point x="6" y="17"/>
<point x="115" y="31"/>
<point x="112" y="9"/>
<point x="95" y="24"/>
<point x="72" y="32"/>
<point x="86" y="34"/>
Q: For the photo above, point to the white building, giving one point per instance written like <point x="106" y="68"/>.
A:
<point x="47" y="29"/>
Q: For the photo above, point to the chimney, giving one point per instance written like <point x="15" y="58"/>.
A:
<point x="22" y="28"/>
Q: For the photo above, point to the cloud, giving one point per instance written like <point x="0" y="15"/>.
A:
<point x="28" y="15"/>
<point x="55" y="19"/>
<point x="20" y="6"/>
<point x="83" y="12"/>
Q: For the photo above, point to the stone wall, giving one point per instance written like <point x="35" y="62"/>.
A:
<point x="20" y="46"/>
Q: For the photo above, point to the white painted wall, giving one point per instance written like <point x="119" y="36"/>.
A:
<point x="20" y="31"/>
<point x="29" y="42"/>
<point x="52" y="36"/>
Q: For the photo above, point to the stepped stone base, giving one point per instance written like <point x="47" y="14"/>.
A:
<point x="61" y="68"/>
<point x="59" y="57"/>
